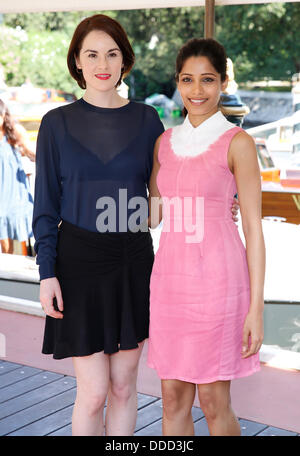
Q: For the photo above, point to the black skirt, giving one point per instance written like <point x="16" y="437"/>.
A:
<point x="104" y="279"/>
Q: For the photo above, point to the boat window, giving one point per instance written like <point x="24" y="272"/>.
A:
<point x="286" y="132"/>
<point x="264" y="158"/>
<point x="296" y="148"/>
<point x="297" y="127"/>
<point x="297" y="107"/>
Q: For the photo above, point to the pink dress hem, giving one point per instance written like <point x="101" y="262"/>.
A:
<point x="205" y="380"/>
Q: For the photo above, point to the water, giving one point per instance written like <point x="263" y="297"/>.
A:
<point x="282" y="326"/>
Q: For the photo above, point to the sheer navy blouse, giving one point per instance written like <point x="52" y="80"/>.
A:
<point x="84" y="153"/>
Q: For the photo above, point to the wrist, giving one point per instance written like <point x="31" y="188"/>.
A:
<point x="47" y="270"/>
<point x="256" y="309"/>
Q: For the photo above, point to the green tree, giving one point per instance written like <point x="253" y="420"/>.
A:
<point x="169" y="28"/>
<point x="262" y="41"/>
<point x="10" y="43"/>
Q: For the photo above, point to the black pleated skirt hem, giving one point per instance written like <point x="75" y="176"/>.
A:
<point x="104" y="279"/>
<point x="92" y="351"/>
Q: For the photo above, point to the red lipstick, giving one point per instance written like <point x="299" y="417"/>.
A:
<point x="103" y="76"/>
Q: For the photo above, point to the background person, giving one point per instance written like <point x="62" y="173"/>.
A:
<point x="16" y="203"/>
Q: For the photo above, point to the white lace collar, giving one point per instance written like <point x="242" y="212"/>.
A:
<point x="189" y="141"/>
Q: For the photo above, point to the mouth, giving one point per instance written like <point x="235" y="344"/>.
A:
<point x="197" y="101"/>
<point x="103" y="76"/>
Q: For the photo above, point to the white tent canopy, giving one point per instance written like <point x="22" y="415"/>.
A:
<point x="23" y="6"/>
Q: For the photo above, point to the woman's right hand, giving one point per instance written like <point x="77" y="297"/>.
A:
<point x="49" y="290"/>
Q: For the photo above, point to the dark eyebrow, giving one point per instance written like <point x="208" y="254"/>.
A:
<point x="202" y="74"/>
<point x="96" y="52"/>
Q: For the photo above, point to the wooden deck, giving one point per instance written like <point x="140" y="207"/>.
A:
<point x="36" y="402"/>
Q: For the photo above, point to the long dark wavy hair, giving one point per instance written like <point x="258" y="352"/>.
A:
<point x="13" y="136"/>
<point x="8" y="126"/>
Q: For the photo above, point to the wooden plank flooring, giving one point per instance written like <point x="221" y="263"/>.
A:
<point x="35" y="402"/>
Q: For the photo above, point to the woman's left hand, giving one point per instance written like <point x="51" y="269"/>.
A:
<point x="254" y="329"/>
<point x="235" y="209"/>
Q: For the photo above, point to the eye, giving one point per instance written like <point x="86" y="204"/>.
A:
<point x="92" y="56"/>
<point x="186" y="79"/>
<point x="208" y="80"/>
<point x="112" y="54"/>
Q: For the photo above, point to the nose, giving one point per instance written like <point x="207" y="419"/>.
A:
<point x="102" y="62"/>
<point x="198" y="88"/>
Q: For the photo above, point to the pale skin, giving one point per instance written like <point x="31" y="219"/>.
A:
<point x="200" y="86"/>
<point x="100" y="376"/>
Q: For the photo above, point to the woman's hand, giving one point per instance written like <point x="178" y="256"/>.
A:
<point x="254" y="329"/>
<point x="235" y="209"/>
<point x="49" y="290"/>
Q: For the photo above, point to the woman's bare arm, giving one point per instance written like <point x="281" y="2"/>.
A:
<point x="24" y="144"/>
<point x="242" y="159"/>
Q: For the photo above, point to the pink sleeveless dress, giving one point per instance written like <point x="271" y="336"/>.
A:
<point x="199" y="288"/>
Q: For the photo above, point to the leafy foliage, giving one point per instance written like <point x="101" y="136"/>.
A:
<point x="262" y="40"/>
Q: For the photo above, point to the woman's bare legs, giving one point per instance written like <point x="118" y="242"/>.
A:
<point x="121" y="409"/>
<point x="92" y="376"/>
<point x="7" y="245"/>
<point x="178" y="398"/>
<point x="99" y="376"/>
<point x="215" y="403"/>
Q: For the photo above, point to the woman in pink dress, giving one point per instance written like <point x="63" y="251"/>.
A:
<point x="206" y="289"/>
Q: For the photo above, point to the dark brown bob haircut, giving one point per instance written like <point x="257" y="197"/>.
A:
<point x="112" y="28"/>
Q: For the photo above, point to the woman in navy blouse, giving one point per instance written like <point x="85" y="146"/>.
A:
<point x="94" y="249"/>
